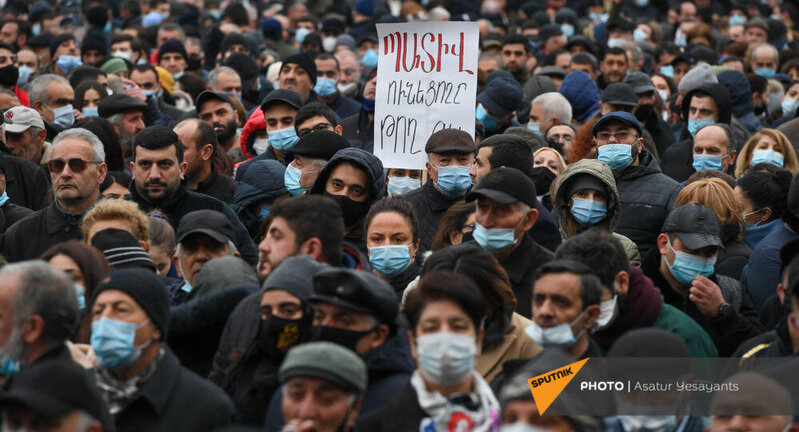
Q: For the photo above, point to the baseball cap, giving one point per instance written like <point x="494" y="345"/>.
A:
<point x="640" y="82"/>
<point x="289" y="97"/>
<point x="620" y="94"/>
<point x="209" y="95"/>
<point x="209" y="222"/>
<point x="621" y="116"/>
<point x="21" y="118"/>
<point x="505" y="186"/>
<point x="695" y="225"/>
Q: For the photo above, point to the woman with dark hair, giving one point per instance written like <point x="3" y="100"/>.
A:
<point x="763" y="196"/>
<point x="392" y="237"/>
<point x="105" y="131"/>
<point x="456" y="226"/>
<point x="116" y="184"/>
<point x="504" y="328"/>
<point x="87" y="267"/>
<point x="88" y="95"/>
<point x="446" y="331"/>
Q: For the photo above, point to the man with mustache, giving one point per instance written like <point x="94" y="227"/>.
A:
<point x="298" y="73"/>
<point x="77" y="169"/>
<point x="158" y="169"/>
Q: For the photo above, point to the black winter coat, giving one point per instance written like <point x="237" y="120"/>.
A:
<point x="11" y="214"/>
<point x="402" y="414"/>
<point x="521" y="267"/>
<point x="30" y="237"/>
<point x="186" y="201"/>
<point x="359" y="131"/>
<point x="430" y="205"/>
<point x="218" y="186"/>
<point x="175" y="399"/>
<point x="237" y="335"/>
<point x="27" y="184"/>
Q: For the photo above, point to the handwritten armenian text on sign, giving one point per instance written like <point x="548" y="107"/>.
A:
<point x="427" y="81"/>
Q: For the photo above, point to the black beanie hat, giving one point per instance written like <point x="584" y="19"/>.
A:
<point x="121" y="249"/>
<point x="305" y="62"/>
<point x="56" y="41"/>
<point x="173" y="46"/>
<point x="231" y="39"/>
<point x="146" y="289"/>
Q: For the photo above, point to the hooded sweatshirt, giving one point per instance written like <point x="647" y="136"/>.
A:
<point x="262" y="181"/>
<point x="741" y="95"/>
<point x="679" y="158"/>
<point x="582" y="93"/>
<point x="602" y="172"/>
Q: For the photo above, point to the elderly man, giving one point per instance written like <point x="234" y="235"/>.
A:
<point x="764" y="60"/>
<point x="24" y="133"/>
<point x="36" y="333"/>
<point x="52" y="97"/>
<point x="125" y="113"/>
<point x="298" y="73"/>
<point x="225" y="80"/>
<point x="131" y="317"/>
<point x="547" y="110"/>
<point x="77" y="169"/>
<point x="713" y="148"/>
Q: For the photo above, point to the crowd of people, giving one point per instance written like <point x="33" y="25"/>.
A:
<point x="197" y="234"/>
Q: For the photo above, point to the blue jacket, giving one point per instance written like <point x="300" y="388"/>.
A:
<point x="762" y="275"/>
<point x="583" y="94"/>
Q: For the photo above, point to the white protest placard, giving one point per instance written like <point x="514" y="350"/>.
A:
<point x="427" y="81"/>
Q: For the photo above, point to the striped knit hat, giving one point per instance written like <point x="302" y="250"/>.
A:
<point x="122" y="250"/>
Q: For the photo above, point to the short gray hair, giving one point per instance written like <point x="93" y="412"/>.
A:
<point x="97" y="146"/>
<point x="731" y="144"/>
<point x="38" y="87"/>
<point x="48" y="292"/>
<point x="214" y="74"/>
<point x="768" y="46"/>
<point x="555" y="104"/>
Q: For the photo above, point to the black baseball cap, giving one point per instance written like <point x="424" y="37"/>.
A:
<point x="359" y="291"/>
<point x="210" y="95"/>
<point x="209" y="222"/>
<point x="505" y="186"/>
<point x="621" y="116"/>
<point x="620" y="94"/>
<point x="640" y="82"/>
<point x="286" y="96"/>
<point x="695" y="225"/>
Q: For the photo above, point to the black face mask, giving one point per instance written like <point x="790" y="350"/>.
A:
<point x="346" y="338"/>
<point x="644" y="112"/>
<point x="9" y="76"/>
<point x="352" y="211"/>
<point x="543" y="178"/>
<point x="467" y="237"/>
<point x="194" y="63"/>
<point x="758" y="110"/>
<point x="277" y="335"/>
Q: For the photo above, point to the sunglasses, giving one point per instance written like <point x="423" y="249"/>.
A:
<point x="75" y="165"/>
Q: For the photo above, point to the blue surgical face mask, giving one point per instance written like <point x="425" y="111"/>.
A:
<point x="446" y="358"/>
<point x="401" y="185"/>
<point x="494" y="240"/>
<point x="283" y="139"/>
<point x="113" y="342"/>
<point x="639" y="35"/>
<point x="9" y="366"/>
<point x="36" y="29"/>
<point x="107" y="27"/>
<point x="687" y="267"/>
<point x="68" y="62"/>
<point x="593" y="16"/>
<point x="390" y="260"/>
<point x="3" y="198"/>
<point x="588" y="212"/>
<point x="177" y="76"/>
<point x="667" y="70"/>
<point x="89" y="112"/>
<point x="485" y="118"/>
<point x="263" y="213"/>
<point x="708" y="162"/>
<point x="567" y="29"/>
<point x="300" y="34"/>
<point x="695" y="125"/>
<point x="767" y="156"/>
<point x="163" y="15"/>
<point x="616" y="42"/>
<point x="325" y="87"/>
<point x="454" y="180"/>
<point x="24" y="73"/>
<point x="737" y="20"/>
<point x="789" y="105"/>
<point x="535" y="127"/>
<point x="559" y="336"/>
<point x="664" y="94"/>
<point x="766" y="72"/>
<point x="80" y="293"/>
<point x="617" y="156"/>
<point x="369" y="59"/>
<point x="149" y="93"/>
<point x="292" y="180"/>
<point x="369" y="105"/>
<point x="64" y="116"/>
<point x="215" y="14"/>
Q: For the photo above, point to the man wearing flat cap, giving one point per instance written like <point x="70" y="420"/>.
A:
<point x="309" y="156"/>
<point x="506" y="201"/>
<point x="126" y="114"/>
<point x="140" y="378"/>
<point x="341" y="378"/>
<point x="358" y="311"/>
<point x="683" y="267"/>
<point x="450" y="155"/>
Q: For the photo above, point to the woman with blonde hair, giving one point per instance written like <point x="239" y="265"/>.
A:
<point x="717" y="195"/>
<point x="770" y="146"/>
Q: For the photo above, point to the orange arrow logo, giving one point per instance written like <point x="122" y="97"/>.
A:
<point x="546" y="387"/>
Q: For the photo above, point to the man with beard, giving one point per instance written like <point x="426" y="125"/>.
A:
<point x="629" y="299"/>
<point x="158" y="169"/>
<point x="215" y="109"/>
<point x="77" y="169"/>
<point x="126" y="115"/>
<point x="645" y="113"/>
<point x="9" y="73"/>
<point x="199" y="144"/>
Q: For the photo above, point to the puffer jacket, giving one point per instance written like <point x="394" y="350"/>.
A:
<point x="262" y="181"/>
<point x="647" y="196"/>
<point x="741" y="95"/>
<point x="562" y="210"/>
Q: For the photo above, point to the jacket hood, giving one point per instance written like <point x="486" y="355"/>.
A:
<point x="263" y="180"/>
<point x="255" y="123"/>
<point x="361" y="158"/>
<point x="583" y="94"/>
<point x="602" y="172"/>
<point x="220" y="273"/>
<point x="740" y="92"/>
<point x="723" y="101"/>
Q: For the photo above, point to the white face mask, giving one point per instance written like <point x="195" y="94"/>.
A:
<point x="608" y="311"/>
<point x="560" y="335"/>
<point x="329" y="44"/>
<point x="122" y="54"/>
<point x="260" y="145"/>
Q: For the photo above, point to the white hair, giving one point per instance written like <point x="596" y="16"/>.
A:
<point x="97" y="146"/>
<point x="555" y="105"/>
<point x="766" y="46"/>
<point x="214" y="75"/>
<point x="37" y="89"/>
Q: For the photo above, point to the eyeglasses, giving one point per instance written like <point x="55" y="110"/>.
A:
<point x="622" y="136"/>
<point x="320" y="127"/>
<point x="75" y="165"/>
